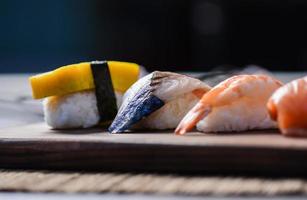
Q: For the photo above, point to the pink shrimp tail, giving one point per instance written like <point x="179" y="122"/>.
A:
<point x="198" y="112"/>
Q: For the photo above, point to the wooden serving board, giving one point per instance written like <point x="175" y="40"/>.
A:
<point x="255" y="152"/>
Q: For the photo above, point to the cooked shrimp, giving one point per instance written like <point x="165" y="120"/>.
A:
<point x="236" y="104"/>
<point x="288" y="106"/>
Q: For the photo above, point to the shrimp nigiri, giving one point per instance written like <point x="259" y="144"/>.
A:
<point x="236" y="104"/>
<point x="158" y="101"/>
<point x="288" y="106"/>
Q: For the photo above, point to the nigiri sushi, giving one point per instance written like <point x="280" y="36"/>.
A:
<point x="288" y="106"/>
<point x="85" y="94"/>
<point x="221" y="73"/>
<point x="236" y="104"/>
<point x="158" y="101"/>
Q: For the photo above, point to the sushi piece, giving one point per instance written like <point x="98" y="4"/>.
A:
<point x="84" y="94"/>
<point x="236" y="104"/>
<point x="158" y="101"/>
<point x="288" y="106"/>
<point x="221" y="73"/>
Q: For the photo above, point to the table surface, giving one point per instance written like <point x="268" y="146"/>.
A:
<point x="17" y="108"/>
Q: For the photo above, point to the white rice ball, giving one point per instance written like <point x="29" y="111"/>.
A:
<point x="74" y="110"/>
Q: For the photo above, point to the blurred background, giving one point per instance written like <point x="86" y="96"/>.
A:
<point x="194" y="35"/>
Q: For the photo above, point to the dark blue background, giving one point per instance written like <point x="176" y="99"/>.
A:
<point x="39" y="35"/>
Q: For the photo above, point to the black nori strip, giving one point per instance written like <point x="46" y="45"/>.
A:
<point x="106" y="100"/>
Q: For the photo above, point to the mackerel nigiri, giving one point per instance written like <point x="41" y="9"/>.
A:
<point x="158" y="101"/>
<point x="288" y="106"/>
<point x="236" y="104"/>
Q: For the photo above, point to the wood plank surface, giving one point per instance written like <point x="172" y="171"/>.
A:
<point x="255" y="152"/>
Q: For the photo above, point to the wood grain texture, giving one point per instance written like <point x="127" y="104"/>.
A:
<point x="38" y="147"/>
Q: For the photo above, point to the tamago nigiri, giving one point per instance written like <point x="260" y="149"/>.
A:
<point x="288" y="106"/>
<point x="84" y="94"/>
<point x="158" y="101"/>
<point x="236" y="104"/>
